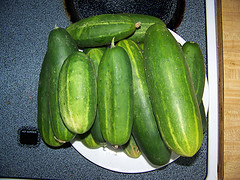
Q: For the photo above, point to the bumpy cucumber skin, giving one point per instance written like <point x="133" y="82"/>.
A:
<point x="95" y="54"/>
<point x="145" y="22"/>
<point x="115" y="96"/>
<point x="195" y="61"/>
<point x="131" y="148"/>
<point x="145" y="129"/>
<point x="172" y="93"/>
<point x="77" y="93"/>
<point x="60" y="46"/>
<point x="43" y="116"/>
<point x="100" y="29"/>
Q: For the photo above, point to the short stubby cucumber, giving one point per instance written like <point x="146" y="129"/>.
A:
<point x="195" y="61"/>
<point x="171" y="91"/>
<point x="145" y="129"/>
<point x="115" y="96"/>
<point x="43" y="116"/>
<point x="100" y="29"/>
<point x="145" y="21"/>
<point x="60" y="46"/>
<point x="77" y="93"/>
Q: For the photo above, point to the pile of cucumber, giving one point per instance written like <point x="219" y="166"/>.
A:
<point x="131" y="86"/>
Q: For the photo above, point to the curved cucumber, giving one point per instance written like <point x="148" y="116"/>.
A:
<point x="145" y="22"/>
<point x="172" y="93"/>
<point x="99" y="30"/>
<point x="131" y="148"/>
<point x="95" y="55"/>
<point x="43" y="116"/>
<point x="115" y="96"/>
<point x="60" y="46"/>
<point x="195" y="61"/>
<point x="145" y="129"/>
<point x="77" y="93"/>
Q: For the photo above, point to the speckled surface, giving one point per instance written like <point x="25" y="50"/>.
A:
<point x="23" y="39"/>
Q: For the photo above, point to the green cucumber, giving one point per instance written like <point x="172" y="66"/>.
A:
<point x="96" y="130"/>
<point x="60" y="46"/>
<point x="195" y="61"/>
<point x="203" y="116"/>
<point x="171" y="91"/>
<point x="131" y="148"/>
<point x="115" y="96"/>
<point x="145" y="22"/>
<point x="43" y="116"/>
<point x="101" y="48"/>
<point x="77" y="92"/>
<point x="141" y="45"/>
<point x="100" y="29"/>
<point x="95" y="55"/>
<point x="145" y="129"/>
<point x="88" y="140"/>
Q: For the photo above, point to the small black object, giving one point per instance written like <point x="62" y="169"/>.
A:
<point x="168" y="11"/>
<point x="29" y="136"/>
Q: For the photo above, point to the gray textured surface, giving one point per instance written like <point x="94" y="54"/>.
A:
<point x="23" y="39"/>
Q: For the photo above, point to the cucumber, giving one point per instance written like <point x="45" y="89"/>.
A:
<point x="43" y="116"/>
<point x="131" y="149"/>
<point x="145" y="22"/>
<point x="171" y="91"/>
<point x="96" y="130"/>
<point x="145" y="129"/>
<point x="100" y="29"/>
<point x="203" y="116"/>
<point x="77" y="92"/>
<point x="88" y="140"/>
<point x="101" y="48"/>
<point x="115" y="96"/>
<point x="141" y="45"/>
<point x="195" y="61"/>
<point x="60" y="46"/>
<point x="95" y="55"/>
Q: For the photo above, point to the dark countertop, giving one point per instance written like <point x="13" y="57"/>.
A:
<point x="24" y="31"/>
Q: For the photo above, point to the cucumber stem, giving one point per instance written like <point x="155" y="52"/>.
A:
<point x="112" y="43"/>
<point x="115" y="147"/>
<point x="137" y="25"/>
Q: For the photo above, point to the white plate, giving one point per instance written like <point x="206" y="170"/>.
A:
<point x="119" y="161"/>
